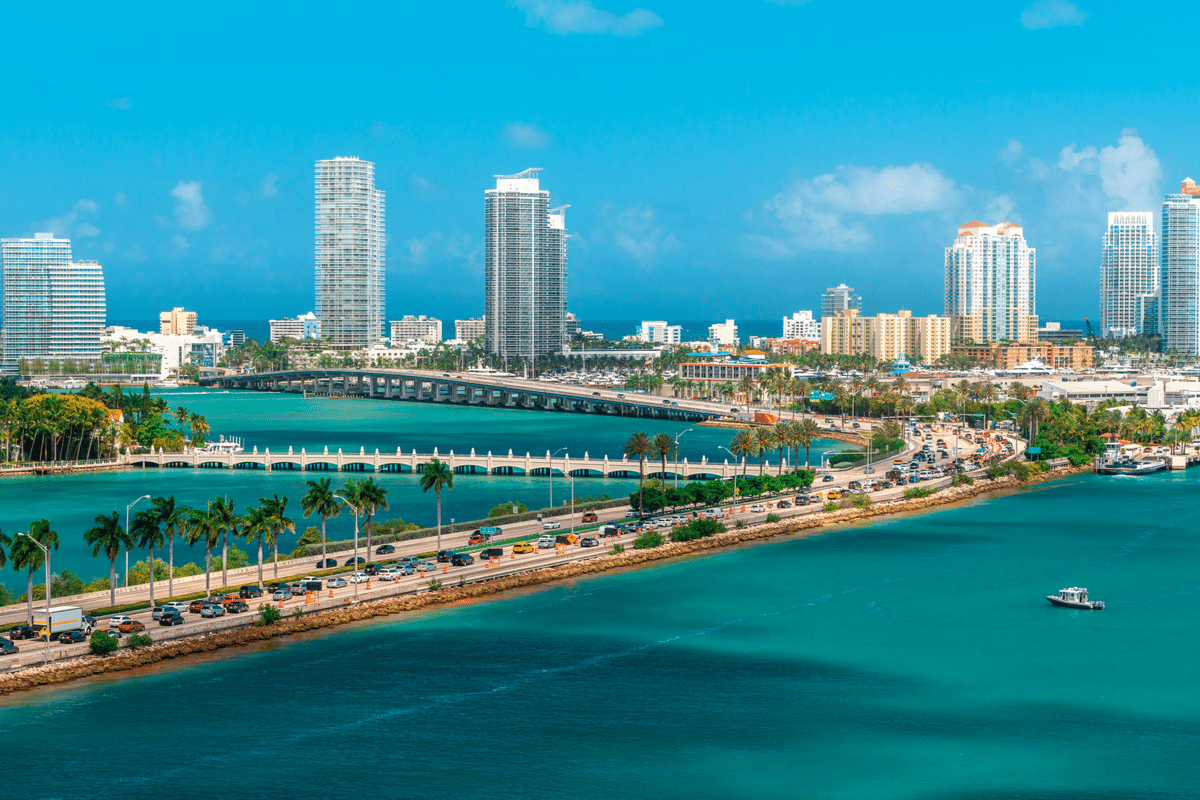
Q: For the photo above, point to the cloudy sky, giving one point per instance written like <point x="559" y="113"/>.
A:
<point x="720" y="159"/>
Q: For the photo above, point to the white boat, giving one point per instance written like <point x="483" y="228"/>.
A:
<point x="1075" y="597"/>
<point x="166" y="385"/>
<point x="230" y="446"/>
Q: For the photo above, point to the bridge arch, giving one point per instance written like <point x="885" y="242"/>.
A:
<point x="321" y="466"/>
<point x="357" y="466"/>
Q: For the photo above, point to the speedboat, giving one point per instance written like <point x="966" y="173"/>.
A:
<point x="1131" y="466"/>
<point x="1075" y="597"/>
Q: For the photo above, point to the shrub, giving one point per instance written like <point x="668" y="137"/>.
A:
<point x="268" y="615"/>
<point x="962" y="480"/>
<point x="994" y="471"/>
<point x="918" y="492"/>
<point x="139" y="640"/>
<point x="102" y="644"/>
<point x="832" y="505"/>
<point x="698" y="529"/>
<point x="741" y="523"/>
<point x="861" y="500"/>
<point x="297" y="612"/>
<point x="647" y="540"/>
<point x="506" y="509"/>
<point x="435" y="584"/>
<point x="773" y="518"/>
<point x="617" y="549"/>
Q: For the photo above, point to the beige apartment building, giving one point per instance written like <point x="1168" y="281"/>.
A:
<point x="886" y="337"/>
<point x="177" y="322"/>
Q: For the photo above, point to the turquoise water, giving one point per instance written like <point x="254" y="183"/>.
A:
<point x="914" y="658"/>
<point x="278" y="421"/>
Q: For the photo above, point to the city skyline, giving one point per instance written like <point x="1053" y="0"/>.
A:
<point x="192" y="187"/>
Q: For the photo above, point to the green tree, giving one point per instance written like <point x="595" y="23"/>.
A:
<point x="319" y="500"/>
<point x="256" y="527"/>
<point x="230" y="520"/>
<point x="374" y="497"/>
<point x="277" y="522"/>
<point x="437" y="475"/>
<point x="661" y="446"/>
<point x="108" y="536"/>
<point x="146" y="533"/>
<point x="504" y="509"/>
<point x="638" y="446"/>
<point x="171" y="519"/>
<point x="25" y="555"/>
<point x="204" y="525"/>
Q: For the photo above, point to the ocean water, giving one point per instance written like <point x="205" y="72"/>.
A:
<point x="910" y="658"/>
<point x="278" y="421"/>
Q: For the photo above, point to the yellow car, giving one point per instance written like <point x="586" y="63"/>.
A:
<point x="834" y="494"/>
<point x="522" y="547"/>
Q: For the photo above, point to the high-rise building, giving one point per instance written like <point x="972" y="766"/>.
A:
<point x="176" y="321"/>
<point x="724" y="334"/>
<point x="801" y="325"/>
<point x="236" y="339"/>
<point x="468" y="330"/>
<point x="1179" y="306"/>
<point x="991" y="284"/>
<point x="886" y="337"/>
<point x="349" y="253"/>
<point x="54" y="308"/>
<point x="838" y="299"/>
<point x="525" y="271"/>
<point x="1129" y="275"/>
<point x="413" y="328"/>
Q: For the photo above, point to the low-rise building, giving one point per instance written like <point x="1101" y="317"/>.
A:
<point x="137" y="354"/>
<point x="724" y="334"/>
<point x="658" y="331"/>
<point x="1055" y="332"/>
<point x="1091" y="393"/>
<point x="723" y="368"/>
<point x="415" y="329"/>
<point x="305" y="326"/>
<point x="791" y="347"/>
<point x="1078" y="356"/>
<point x="468" y="330"/>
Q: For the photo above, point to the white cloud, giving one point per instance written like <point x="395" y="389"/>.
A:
<point x="122" y="103"/>
<point x="190" y="211"/>
<point x="580" y="16"/>
<point x="636" y="231"/>
<point x="180" y="242"/>
<point x="1012" y="151"/>
<point x="1001" y="208"/>
<point x="1052" y="14"/>
<point x="72" y="224"/>
<point x="520" y="134"/>
<point x="814" y="212"/>
<point x="268" y="188"/>
<point x="1129" y="171"/>
<point x="120" y="199"/>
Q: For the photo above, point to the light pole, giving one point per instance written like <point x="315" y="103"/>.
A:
<point x="550" y="469"/>
<point x="735" y="462"/>
<point x="45" y="560"/>
<point x="681" y="433"/>
<point x="127" y="509"/>
<point x="355" y="573"/>
<point x="571" y="478"/>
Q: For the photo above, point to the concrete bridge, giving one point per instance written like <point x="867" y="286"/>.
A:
<point x="466" y="388"/>
<point x="468" y="464"/>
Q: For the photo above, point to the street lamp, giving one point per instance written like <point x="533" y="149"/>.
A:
<point x="127" y="533"/>
<point x="681" y="433"/>
<point x="550" y="469"/>
<point x="355" y="573"/>
<point x="46" y="560"/>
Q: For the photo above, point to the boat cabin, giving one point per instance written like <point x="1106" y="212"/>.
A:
<point x="1073" y="595"/>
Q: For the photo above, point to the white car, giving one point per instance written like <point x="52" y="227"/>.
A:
<point x="178" y="606"/>
<point x="114" y="622"/>
<point x="426" y="566"/>
<point x="545" y="543"/>
<point x="389" y="574"/>
<point x="358" y="577"/>
<point x="757" y="509"/>
<point x="664" y="522"/>
<point x="551" y="526"/>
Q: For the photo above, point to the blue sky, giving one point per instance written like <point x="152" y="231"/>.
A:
<point x="720" y="159"/>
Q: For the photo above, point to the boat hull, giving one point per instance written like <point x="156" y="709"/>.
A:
<point x="1091" y="605"/>
<point x="1142" y="468"/>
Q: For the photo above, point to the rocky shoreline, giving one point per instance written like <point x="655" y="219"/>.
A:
<point x="123" y="660"/>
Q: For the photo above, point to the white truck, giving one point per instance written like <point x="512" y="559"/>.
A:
<point x="60" y="619"/>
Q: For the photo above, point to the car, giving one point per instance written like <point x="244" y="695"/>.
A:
<point x="389" y="574"/>
<point x="827" y="477"/>
<point x="734" y="410"/>
<point x="173" y="618"/>
<point x="620" y="396"/>
<point x="7" y="648"/>
<point x="545" y="543"/>
<point x="72" y="637"/>
<point x="250" y="590"/>
<point x="589" y="541"/>
<point x="814" y="498"/>
<point x="522" y="547"/>
<point x="157" y="612"/>
<point x="784" y="504"/>
<point x="801" y="500"/>
<point x="668" y="402"/>
<point x="663" y="522"/>
<point x="237" y="607"/>
<point x="834" y="494"/>
<point x="604" y="531"/>
<point x="551" y="526"/>
<point x="426" y="566"/>
<point x="282" y="594"/>
<point x="358" y="577"/>
<point x="113" y="632"/>
<point x="869" y="470"/>
<point x="854" y="485"/>
<point x="444" y="556"/>
<point x="384" y="549"/>
<point x="462" y="559"/>
<point x="372" y="569"/>
<point x="492" y="552"/>
<point x="117" y="622"/>
<point x="757" y="509"/>
<point x="631" y="514"/>
<point x="336" y="582"/>
<point x="327" y="563"/>
<point x="212" y="610"/>
<point x="411" y="560"/>
<point x="590" y="516"/>
<point x="354" y="562"/>
<point x="196" y="606"/>
<point x="177" y="605"/>
<point x="131" y="626"/>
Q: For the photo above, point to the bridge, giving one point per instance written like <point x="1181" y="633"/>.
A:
<point x="472" y="464"/>
<point x="467" y="388"/>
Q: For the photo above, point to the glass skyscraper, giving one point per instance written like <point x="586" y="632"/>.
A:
<point x="991" y="284"/>
<point x="54" y="307"/>
<point x="349" y="253"/>
<point x="525" y="280"/>
<point x="839" y="299"/>
<point x="1129" y="275"/>
<point x="1179" y="306"/>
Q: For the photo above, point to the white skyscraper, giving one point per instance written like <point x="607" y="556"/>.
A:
<point x="991" y="284"/>
<point x="1179" y="307"/>
<point x="54" y="308"/>
<point x="801" y="325"/>
<point x="1129" y="275"/>
<point x="349" y="253"/>
<point x="525" y="271"/>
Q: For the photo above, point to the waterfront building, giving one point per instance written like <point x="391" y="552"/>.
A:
<point x="305" y="326"/>
<point x="1055" y="332"/>
<point x="525" y="268"/>
<point x="801" y="325"/>
<point x="723" y="368"/>
<point x="139" y="355"/>
<point x="415" y="329"/>
<point x="349" y="253"/>
<point x="53" y="306"/>
<point x="1077" y="356"/>
<point x="838" y="299"/>
<point x="1179" y="271"/>
<point x="659" y="331"/>
<point x="724" y="334"/>
<point x="991" y="284"/>
<point x="176" y="321"/>
<point x="468" y="330"/>
<point x="791" y="347"/>
<point x="236" y="339"/>
<point x="886" y="337"/>
<point x="1129" y="283"/>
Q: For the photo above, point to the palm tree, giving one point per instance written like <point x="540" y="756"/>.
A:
<point x="277" y="522"/>
<point x="743" y="445"/>
<point x="108" y="535"/>
<point x="808" y="433"/>
<point x="1034" y="412"/>
<point x="204" y="525"/>
<point x="661" y="446"/>
<point x="784" y="433"/>
<point x="638" y="446"/>
<point x="319" y="499"/>
<point x="746" y="385"/>
<point x="146" y="533"/>
<point x="230" y="520"/>
<point x="764" y="443"/>
<point x="171" y="518"/>
<point x="437" y="475"/>
<point x="29" y="557"/>
<point x="374" y="497"/>
<point x="256" y="526"/>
